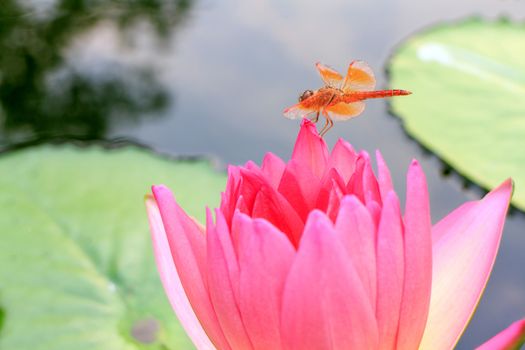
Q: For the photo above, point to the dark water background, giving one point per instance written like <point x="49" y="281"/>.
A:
<point x="212" y="78"/>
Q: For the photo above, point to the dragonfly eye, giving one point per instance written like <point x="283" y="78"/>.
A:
<point x="305" y="95"/>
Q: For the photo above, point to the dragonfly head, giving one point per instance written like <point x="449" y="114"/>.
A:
<point x="305" y="95"/>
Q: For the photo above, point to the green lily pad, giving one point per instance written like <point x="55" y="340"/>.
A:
<point x="468" y="105"/>
<point x="76" y="263"/>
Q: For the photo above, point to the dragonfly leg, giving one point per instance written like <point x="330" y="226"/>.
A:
<point x="314" y="119"/>
<point x="328" y="125"/>
<point x="323" y="130"/>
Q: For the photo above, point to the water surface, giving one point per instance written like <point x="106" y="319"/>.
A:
<point x="212" y="78"/>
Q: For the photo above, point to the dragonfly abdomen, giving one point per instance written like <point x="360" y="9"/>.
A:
<point x="363" y="95"/>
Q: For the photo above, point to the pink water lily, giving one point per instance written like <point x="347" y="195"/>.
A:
<point x="316" y="254"/>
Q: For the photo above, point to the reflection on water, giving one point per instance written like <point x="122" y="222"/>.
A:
<point x="238" y="64"/>
<point x="46" y="93"/>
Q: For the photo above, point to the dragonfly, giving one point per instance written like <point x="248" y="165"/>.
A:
<point x="340" y="98"/>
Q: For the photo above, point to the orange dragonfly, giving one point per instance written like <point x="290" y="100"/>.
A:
<point x="339" y="99"/>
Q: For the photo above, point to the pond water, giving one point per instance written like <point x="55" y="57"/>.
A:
<point x="212" y="78"/>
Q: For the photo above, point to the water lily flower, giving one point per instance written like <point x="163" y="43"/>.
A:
<point x="317" y="254"/>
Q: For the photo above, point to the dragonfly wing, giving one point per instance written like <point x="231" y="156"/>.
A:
<point x="298" y="111"/>
<point x="345" y="111"/>
<point x="359" y="77"/>
<point x="329" y="76"/>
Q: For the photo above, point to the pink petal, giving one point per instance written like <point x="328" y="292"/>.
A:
<point x="265" y="202"/>
<point x="230" y="197"/>
<point x="251" y="165"/>
<point x="355" y="184"/>
<point x="310" y="149"/>
<point x="270" y="205"/>
<point x="375" y="211"/>
<point x="300" y="187"/>
<point x="262" y="200"/>
<point x="343" y="159"/>
<point x="383" y="176"/>
<point x="265" y="259"/>
<point x="390" y="270"/>
<point x="188" y="249"/>
<point x="171" y="281"/>
<point x="273" y="168"/>
<point x="512" y="338"/>
<point x="418" y="261"/>
<point x="356" y="231"/>
<point x="370" y="186"/>
<point x="463" y="257"/>
<point x="240" y="206"/>
<point x="223" y="281"/>
<point x="333" y="203"/>
<point x="251" y="183"/>
<point x="324" y="304"/>
<point x="331" y="191"/>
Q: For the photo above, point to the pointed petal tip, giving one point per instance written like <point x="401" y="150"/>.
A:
<point x="209" y="217"/>
<point x="348" y="199"/>
<point x="507" y="184"/>
<point x="242" y="219"/>
<point x="364" y="154"/>
<point x="269" y="155"/>
<point x="512" y="186"/>
<point x="161" y="194"/>
<point x="414" y="163"/>
<point x="342" y="143"/>
<point x="392" y="196"/>
<point x="510" y="338"/>
<point x="317" y="217"/>
<point x="381" y="164"/>
<point x="316" y="214"/>
<point x="415" y="171"/>
<point x="160" y="189"/>
<point x="506" y="188"/>
<point x="307" y="126"/>
<point x="306" y="122"/>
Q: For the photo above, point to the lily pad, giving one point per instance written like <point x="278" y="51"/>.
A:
<point x="468" y="105"/>
<point x="76" y="263"/>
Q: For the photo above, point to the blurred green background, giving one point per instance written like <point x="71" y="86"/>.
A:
<point x="82" y="80"/>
